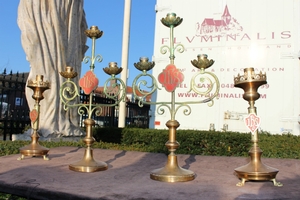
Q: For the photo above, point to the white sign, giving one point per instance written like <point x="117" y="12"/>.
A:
<point x="236" y="35"/>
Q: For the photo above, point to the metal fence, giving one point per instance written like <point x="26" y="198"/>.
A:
<point x="135" y="116"/>
<point x="14" y="110"/>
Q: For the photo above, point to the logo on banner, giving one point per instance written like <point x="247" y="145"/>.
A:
<point x="252" y="122"/>
<point x="225" y="24"/>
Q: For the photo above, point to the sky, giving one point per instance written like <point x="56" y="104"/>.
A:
<point x="108" y="16"/>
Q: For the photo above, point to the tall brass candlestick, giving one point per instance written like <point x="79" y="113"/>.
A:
<point x="255" y="169"/>
<point x="35" y="149"/>
<point x="69" y="91"/>
<point x="170" y="78"/>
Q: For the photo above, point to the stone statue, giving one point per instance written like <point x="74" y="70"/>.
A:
<point x="52" y="35"/>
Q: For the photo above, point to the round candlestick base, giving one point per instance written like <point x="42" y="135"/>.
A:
<point x="88" y="164"/>
<point x="172" y="172"/>
<point x="34" y="149"/>
<point x="255" y="170"/>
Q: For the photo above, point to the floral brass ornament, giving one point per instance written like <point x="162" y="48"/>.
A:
<point x="112" y="69"/>
<point x="171" y="20"/>
<point x="252" y="122"/>
<point x="88" y="82"/>
<point x="202" y="62"/>
<point x="68" y="73"/>
<point x="33" y="115"/>
<point x="93" y="32"/>
<point x="171" y="77"/>
<point x="144" y="64"/>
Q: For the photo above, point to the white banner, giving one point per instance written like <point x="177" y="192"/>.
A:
<point x="263" y="34"/>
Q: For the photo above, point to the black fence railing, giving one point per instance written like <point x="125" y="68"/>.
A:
<point x="14" y="110"/>
<point x="135" y="116"/>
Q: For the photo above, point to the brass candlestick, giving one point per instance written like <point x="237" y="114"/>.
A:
<point x="88" y="83"/>
<point x="255" y="169"/>
<point x="35" y="149"/>
<point x="170" y="78"/>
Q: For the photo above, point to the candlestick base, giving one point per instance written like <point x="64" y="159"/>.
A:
<point x="34" y="149"/>
<point x="88" y="164"/>
<point x="255" y="170"/>
<point x="172" y="172"/>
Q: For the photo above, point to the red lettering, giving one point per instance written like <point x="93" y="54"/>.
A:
<point x="190" y="41"/>
<point x="258" y="37"/>
<point x="175" y="41"/>
<point x="232" y="36"/>
<point x="163" y="40"/>
<point x="285" y="35"/>
<point x="206" y="38"/>
<point x="246" y="36"/>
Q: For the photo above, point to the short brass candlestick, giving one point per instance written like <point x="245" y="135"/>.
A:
<point x="170" y="78"/>
<point x="35" y="149"/>
<point x="69" y="91"/>
<point x="255" y="170"/>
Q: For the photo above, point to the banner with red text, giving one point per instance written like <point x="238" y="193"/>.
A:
<point x="263" y="34"/>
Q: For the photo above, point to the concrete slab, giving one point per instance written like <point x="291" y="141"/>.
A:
<point x="128" y="177"/>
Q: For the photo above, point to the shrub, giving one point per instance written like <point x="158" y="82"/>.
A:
<point x="194" y="142"/>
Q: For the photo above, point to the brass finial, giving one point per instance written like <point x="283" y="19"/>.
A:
<point x="144" y="64"/>
<point x="171" y="20"/>
<point x="38" y="82"/>
<point x="112" y="69"/>
<point x="94" y="32"/>
<point x="250" y="76"/>
<point x="68" y="73"/>
<point x="202" y="62"/>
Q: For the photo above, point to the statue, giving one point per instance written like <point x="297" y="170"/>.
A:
<point x="52" y="35"/>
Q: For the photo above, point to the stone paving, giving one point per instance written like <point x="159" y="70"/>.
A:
<point x="128" y="177"/>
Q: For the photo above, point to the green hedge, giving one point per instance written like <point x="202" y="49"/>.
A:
<point x="280" y="146"/>
<point x="193" y="142"/>
<point x="198" y="142"/>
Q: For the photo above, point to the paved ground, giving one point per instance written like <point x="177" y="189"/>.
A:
<point x="128" y="177"/>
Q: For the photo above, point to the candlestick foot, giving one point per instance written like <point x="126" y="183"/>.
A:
<point x="278" y="184"/>
<point x="172" y="172"/>
<point x="46" y="157"/>
<point x="242" y="183"/>
<point x="21" y="157"/>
